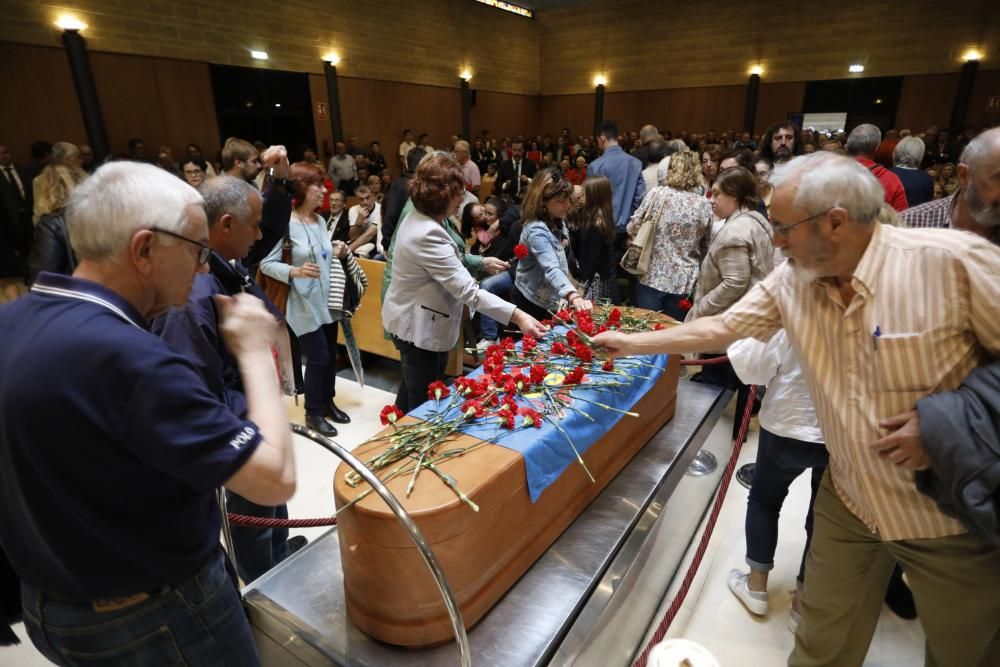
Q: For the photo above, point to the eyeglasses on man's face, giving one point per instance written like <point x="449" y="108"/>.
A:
<point x="204" y="252"/>
<point x="783" y="230"/>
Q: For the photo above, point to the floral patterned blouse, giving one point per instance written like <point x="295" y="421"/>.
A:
<point x="683" y="227"/>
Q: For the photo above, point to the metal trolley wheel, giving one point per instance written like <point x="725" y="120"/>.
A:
<point x="458" y="626"/>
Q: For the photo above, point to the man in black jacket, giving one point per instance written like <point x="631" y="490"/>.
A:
<point x="516" y="173"/>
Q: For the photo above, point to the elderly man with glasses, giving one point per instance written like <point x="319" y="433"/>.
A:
<point x="879" y="317"/>
<point x="113" y="446"/>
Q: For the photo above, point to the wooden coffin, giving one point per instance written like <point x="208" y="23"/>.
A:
<point x="389" y="592"/>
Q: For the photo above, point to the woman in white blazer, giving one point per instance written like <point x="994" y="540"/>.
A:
<point x="423" y="308"/>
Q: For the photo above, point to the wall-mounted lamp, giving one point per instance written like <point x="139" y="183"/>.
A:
<point x="972" y="55"/>
<point x="466" y="74"/>
<point x="332" y="58"/>
<point x="67" y="22"/>
<point x="757" y="69"/>
<point x="856" y="69"/>
<point x="600" y="80"/>
<point x="258" y="55"/>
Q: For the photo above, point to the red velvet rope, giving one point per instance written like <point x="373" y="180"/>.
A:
<point x="727" y="476"/>
<point x="261" y="522"/>
<point x="705" y="362"/>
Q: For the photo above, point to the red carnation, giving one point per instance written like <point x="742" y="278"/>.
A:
<point x="537" y="374"/>
<point x="587" y="327"/>
<point x="507" y="344"/>
<point x="521" y="251"/>
<point x="531" y="417"/>
<point x="575" y="376"/>
<point x="614" y="317"/>
<point x="566" y="315"/>
<point x="528" y="344"/>
<point x="437" y="390"/>
<point x="659" y="325"/>
<point x="473" y="409"/>
<point x="583" y="353"/>
<point x="609" y="365"/>
<point x="684" y="304"/>
<point x="390" y="414"/>
<point x="601" y="329"/>
<point x="572" y="338"/>
<point x="559" y="348"/>
<point x="507" y="420"/>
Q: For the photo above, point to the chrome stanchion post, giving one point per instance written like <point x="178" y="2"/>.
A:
<point x="458" y="626"/>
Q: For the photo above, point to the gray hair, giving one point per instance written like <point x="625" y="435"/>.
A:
<point x="985" y="146"/>
<point x="864" y="139"/>
<point x="227" y="194"/>
<point x="909" y="152"/>
<point x="827" y="180"/>
<point x="120" y="199"/>
<point x="62" y="151"/>
<point x="648" y="133"/>
<point x="462" y="145"/>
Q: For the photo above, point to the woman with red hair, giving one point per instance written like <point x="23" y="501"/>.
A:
<point x="422" y="310"/>
<point x="308" y="279"/>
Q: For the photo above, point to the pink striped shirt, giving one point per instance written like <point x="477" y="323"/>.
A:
<point x="932" y="295"/>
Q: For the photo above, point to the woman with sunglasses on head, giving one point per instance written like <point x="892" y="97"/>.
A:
<point x="542" y="282"/>
<point x="308" y="279"/>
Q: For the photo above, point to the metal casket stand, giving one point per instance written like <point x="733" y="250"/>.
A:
<point x="568" y="608"/>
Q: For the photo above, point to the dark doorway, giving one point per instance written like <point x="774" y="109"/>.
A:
<point x="266" y="105"/>
<point x="873" y="100"/>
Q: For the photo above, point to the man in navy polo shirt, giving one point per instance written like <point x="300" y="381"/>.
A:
<point x="112" y="446"/>
<point x="233" y="209"/>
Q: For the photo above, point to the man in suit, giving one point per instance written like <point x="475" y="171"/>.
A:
<point x="517" y="172"/>
<point x="15" y="226"/>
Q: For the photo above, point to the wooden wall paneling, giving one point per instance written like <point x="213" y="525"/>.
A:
<point x="39" y="99"/>
<point x="573" y="111"/>
<point x="130" y="101"/>
<point x="505" y="114"/>
<point x="987" y="85"/>
<point x="775" y="101"/>
<point x="324" y="131"/>
<point x="926" y="100"/>
<point x="188" y="106"/>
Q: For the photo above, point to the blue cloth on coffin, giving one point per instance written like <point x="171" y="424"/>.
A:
<point x="545" y="450"/>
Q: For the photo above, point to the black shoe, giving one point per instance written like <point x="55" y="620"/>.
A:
<point x="296" y="543"/>
<point x="745" y="474"/>
<point x="899" y="598"/>
<point x="336" y="414"/>
<point x="321" y="426"/>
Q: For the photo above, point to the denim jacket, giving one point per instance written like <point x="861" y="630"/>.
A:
<point x="543" y="276"/>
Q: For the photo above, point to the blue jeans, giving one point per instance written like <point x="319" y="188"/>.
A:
<point x="500" y="285"/>
<point x="320" y="350"/>
<point x="198" y="622"/>
<point x="779" y="461"/>
<point x="257" y="550"/>
<point x="663" y="302"/>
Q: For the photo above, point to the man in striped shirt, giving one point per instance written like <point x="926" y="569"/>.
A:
<point x="975" y="206"/>
<point x="879" y="317"/>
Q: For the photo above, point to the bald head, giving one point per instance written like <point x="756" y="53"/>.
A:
<point x="983" y="152"/>
<point x="648" y="133"/>
<point x="979" y="178"/>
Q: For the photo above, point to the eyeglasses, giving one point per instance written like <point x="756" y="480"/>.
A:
<point x="783" y="230"/>
<point x="204" y="251"/>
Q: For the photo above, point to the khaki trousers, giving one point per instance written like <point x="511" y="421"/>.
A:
<point x="955" y="582"/>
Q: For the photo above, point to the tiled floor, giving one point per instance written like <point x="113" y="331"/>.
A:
<point x="710" y="616"/>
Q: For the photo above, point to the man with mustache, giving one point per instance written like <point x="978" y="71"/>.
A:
<point x="781" y="142"/>
<point x="880" y="318"/>
<point x="975" y="206"/>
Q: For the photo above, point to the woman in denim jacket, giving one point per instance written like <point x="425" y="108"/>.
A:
<point x="542" y="280"/>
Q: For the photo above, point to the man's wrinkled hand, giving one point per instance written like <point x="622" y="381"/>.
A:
<point x="903" y="446"/>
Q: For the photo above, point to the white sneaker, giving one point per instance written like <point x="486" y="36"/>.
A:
<point x="756" y="603"/>
<point x="483" y="344"/>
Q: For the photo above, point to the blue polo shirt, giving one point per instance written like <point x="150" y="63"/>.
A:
<point x="110" y="446"/>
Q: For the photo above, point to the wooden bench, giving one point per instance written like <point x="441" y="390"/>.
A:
<point x="367" y="322"/>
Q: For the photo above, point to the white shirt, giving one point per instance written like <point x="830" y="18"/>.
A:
<point x="405" y="147"/>
<point x="649" y="175"/>
<point x="375" y="218"/>
<point x="787" y="409"/>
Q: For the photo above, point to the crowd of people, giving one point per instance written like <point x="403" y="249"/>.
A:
<point x="779" y="237"/>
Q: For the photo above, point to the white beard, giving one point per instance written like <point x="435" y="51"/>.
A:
<point x="800" y="273"/>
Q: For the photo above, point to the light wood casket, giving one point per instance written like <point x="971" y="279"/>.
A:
<point x="389" y="592"/>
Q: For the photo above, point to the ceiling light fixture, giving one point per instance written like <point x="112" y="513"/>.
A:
<point x="333" y="59"/>
<point x="258" y="55"/>
<point x="971" y="55"/>
<point x="856" y="69"/>
<point x="757" y="69"/>
<point x="600" y="80"/>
